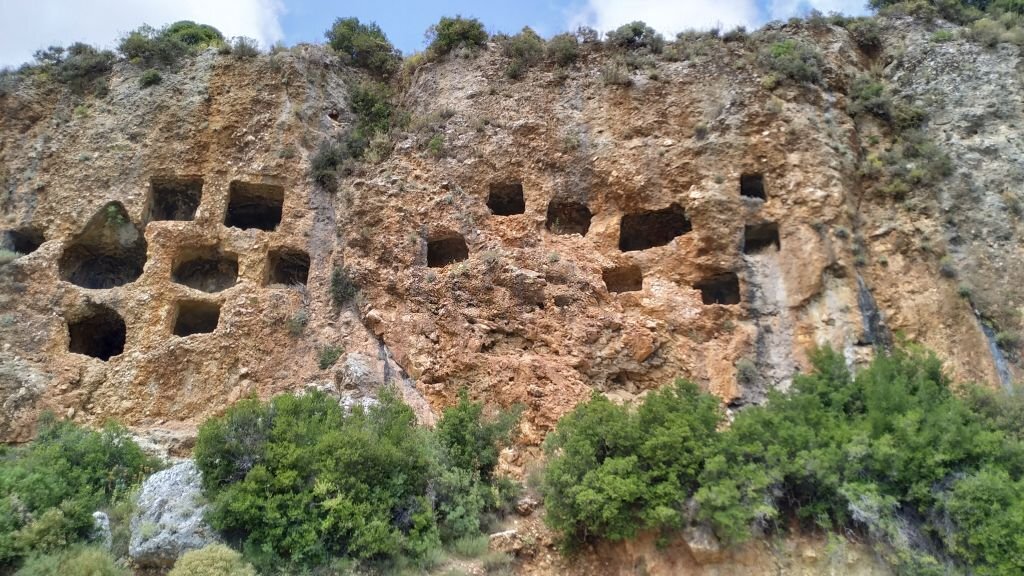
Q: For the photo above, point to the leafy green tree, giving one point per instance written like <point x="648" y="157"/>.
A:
<point x="635" y="36"/>
<point x="458" y="32"/>
<point x="365" y="45"/>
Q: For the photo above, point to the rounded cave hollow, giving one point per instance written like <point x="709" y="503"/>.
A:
<point x="99" y="332"/>
<point x="109" y="252"/>
<point x="23" y="240"/>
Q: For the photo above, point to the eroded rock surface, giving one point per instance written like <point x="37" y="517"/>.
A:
<point x="169" y="517"/>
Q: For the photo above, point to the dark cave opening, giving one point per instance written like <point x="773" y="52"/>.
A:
<point x="174" y="198"/>
<point x="652" y="228"/>
<point x="110" y="252"/>
<point x="23" y="240"/>
<point x="752" y="186"/>
<point x="568" y="217"/>
<point x="206" y="269"/>
<point x="100" y="333"/>
<point x="287" y="266"/>
<point x="760" y="237"/>
<point x="627" y="278"/>
<point x="720" y="289"/>
<point x="445" y="250"/>
<point x="506" y="199"/>
<point x="256" y="206"/>
<point x="196" y="317"/>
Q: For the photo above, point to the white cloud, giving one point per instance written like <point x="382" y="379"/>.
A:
<point x="27" y="25"/>
<point x="666" y="16"/>
<point x="670" y="17"/>
<point x="783" y="9"/>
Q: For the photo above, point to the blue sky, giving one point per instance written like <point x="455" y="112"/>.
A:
<point x="27" y="25"/>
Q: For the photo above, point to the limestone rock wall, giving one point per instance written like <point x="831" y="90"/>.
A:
<point x="573" y="236"/>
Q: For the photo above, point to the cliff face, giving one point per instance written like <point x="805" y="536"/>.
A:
<point x="572" y="236"/>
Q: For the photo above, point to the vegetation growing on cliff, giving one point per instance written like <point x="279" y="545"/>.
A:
<point x="50" y="488"/>
<point x="300" y="480"/>
<point x="891" y="454"/>
<point x="364" y="46"/>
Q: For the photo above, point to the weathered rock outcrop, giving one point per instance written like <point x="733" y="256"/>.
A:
<point x="169" y="517"/>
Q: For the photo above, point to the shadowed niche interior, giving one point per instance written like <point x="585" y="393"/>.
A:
<point x="23" y="240"/>
<point x="110" y="252"/>
<point x="287" y="266"/>
<point x="720" y="289"/>
<point x="760" y="237"/>
<point x="506" y="199"/>
<point x="444" y="250"/>
<point x="652" y="228"/>
<point x="568" y="217"/>
<point x="174" y="198"/>
<point x="99" y="333"/>
<point x="256" y="206"/>
<point x="206" y="269"/>
<point x="752" y="186"/>
<point x="195" y="317"/>
<point x="625" y="278"/>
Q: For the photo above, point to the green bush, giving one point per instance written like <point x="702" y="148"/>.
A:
<point x="563" y="49"/>
<point x="76" y="561"/>
<point x="328" y="164"/>
<point x="451" y="33"/>
<point x="843" y="451"/>
<point x="471" y="442"/>
<point x="793" y="59"/>
<point x="525" y="49"/>
<point x="636" y="36"/>
<point x="328" y="356"/>
<point x="612" y="471"/>
<point x="890" y="454"/>
<point x="343" y="287"/>
<point x="300" y="480"/>
<point x="867" y="34"/>
<point x="371" y="103"/>
<point x="149" y="78"/>
<point x="213" y="560"/>
<point x="364" y="45"/>
<point x="153" y="48"/>
<point x="196" y="36"/>
<point x="81" y="67"/>
<point x="50" y="488"/>
<point x="868" y="96"/>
